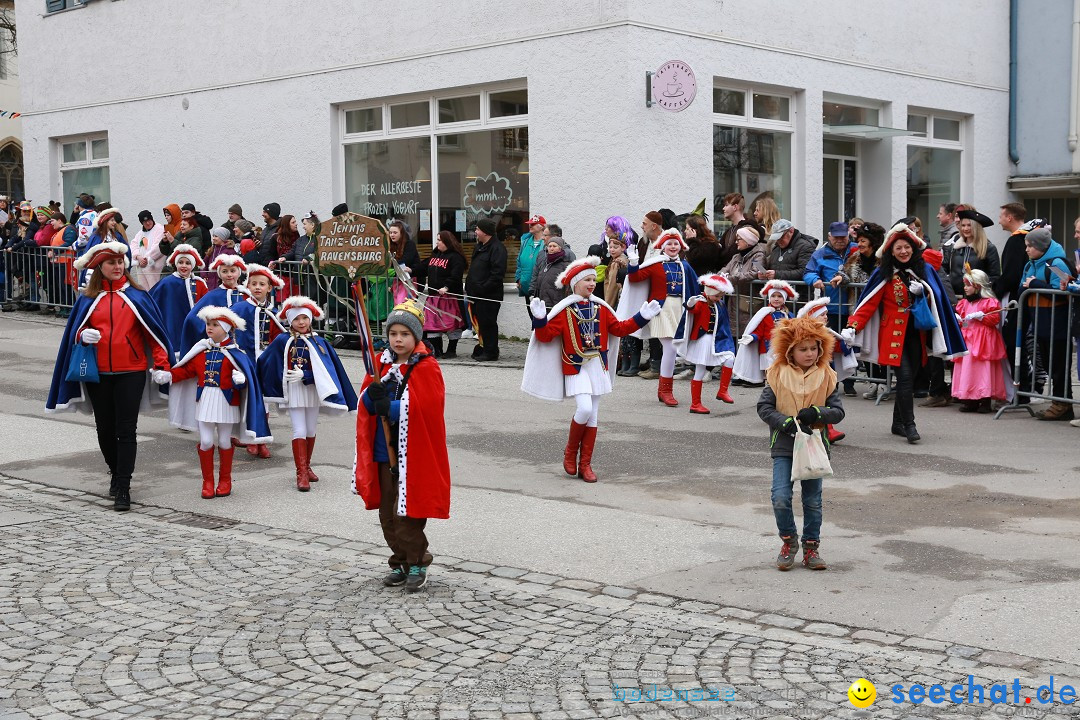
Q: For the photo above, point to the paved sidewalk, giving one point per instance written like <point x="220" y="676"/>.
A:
<point x="167" y="614"/>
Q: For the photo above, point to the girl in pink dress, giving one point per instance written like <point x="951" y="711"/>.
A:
<point x="980" y="376"/>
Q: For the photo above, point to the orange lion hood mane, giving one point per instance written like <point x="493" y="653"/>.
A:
<point x="793" y="331"/>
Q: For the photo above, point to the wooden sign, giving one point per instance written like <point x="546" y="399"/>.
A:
<point x="353" y="245"/>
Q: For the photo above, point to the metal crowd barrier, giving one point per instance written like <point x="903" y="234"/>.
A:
<point x="38" y="278"/>
<point x="1044" y="348"/>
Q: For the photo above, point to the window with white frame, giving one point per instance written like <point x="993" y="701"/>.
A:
<point x="84" y="167"/>
<point x="934" y="162"/>
<point x="440" y="161"/>
<point x="752" y="133"/>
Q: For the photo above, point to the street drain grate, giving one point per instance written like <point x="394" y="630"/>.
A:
<point x="206" y="522"/>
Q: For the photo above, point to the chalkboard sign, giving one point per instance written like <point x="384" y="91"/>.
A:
<point x="352" y="245"/>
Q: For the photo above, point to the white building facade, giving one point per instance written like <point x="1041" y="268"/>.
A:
<point x="443" y="113"/>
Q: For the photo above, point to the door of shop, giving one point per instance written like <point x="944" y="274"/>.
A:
<point x="840" y="184"/>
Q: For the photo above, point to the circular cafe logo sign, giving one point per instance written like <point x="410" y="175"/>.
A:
<point x="674" y="86"/>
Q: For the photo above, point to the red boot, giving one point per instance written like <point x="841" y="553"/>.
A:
<point x="253" y="449"/>
<point x="695" y="399"/>
<point x="224" y="486"/>
<point x="299" y="453"/>
<point x="573" y="444"/>
<point x="835" y="435"/>
<point x="311" y="476"/>
<point x="206" y="464"/>
<point x="663" y="393"/>
<point x="725" y="383"/>
<point x="264" y="451"/>
<point x="588" y="441"/>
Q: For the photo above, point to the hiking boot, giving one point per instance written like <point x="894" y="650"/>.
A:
<point x="786" y="559"/>
<point x="936" y="401"/>
<point x="1056" y="411"/>
<point x="649" y="374"/>
<point x="396" y="578"/>
<point x="417" y="579"/>
<point x="810" y="557"/>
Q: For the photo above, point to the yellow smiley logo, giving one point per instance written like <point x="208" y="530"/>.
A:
<point x="862" y="693"/>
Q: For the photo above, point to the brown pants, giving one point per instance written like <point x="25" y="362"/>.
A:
<point x="404" y="535"/>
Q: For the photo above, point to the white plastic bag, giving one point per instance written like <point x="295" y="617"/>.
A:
<point x="809" y="460"/>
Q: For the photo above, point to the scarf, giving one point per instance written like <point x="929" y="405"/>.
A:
<point x="795" y="389"/>
<point x="555" y="257"/>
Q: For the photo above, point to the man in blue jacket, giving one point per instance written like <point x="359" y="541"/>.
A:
<point x="824" y="273"/>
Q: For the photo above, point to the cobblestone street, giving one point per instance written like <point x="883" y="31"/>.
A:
<point x="168" y="614"/>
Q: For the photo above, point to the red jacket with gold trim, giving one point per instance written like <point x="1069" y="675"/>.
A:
<point x="895" y="304"/>
<point x="585" y="327"/>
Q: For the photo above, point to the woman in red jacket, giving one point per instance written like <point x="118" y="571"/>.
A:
<point x="122" y="322"/>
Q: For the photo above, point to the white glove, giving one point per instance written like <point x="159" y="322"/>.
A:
<point x="632" y="254"/>
<point x="293" y="375"/>
<point x="746" y="339"/>
<point x="848" y="334"/>
<point x="694" y="301"/>
<point x="162" y="377"/>
<point x="974" y="316"/>
<point x="238" y="377"/>
<point x="958" y="318"/>
<point x="650" y="309"/>
<point x="915" y="287"/>
<point x="537" y="308"/>
<point x="90" y="336"/>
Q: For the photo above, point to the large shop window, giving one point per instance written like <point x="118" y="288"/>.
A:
<point x="934" y="164"/>
<point x="84" y="167"/>
<point x="752" y="148"/>
<point x="441" y="163"/>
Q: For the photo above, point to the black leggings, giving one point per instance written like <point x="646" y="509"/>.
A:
<point x="910" y="363"/>
<point x="116" y="401"/>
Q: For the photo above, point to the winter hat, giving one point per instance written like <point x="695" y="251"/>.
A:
<point x="577" y="270"/>
<point x="781" y="287"/>
<point x="221" y="233"/>
<point x="655" y="217"/>
<point x="900" y="230"/>
<point x="273" y="210"/>
<point x="145" y="215"/>
<point x="247" y="245"/>
<point x="716" y="283"/>
<point x="410" y="314"/>
<point x="102" y="252"/>
<point x="980" y="280"/>
<point x="815" y="308"/>
<point x="556" y="239"/>
<point x="223" y="315"/>
<point x="670" y="234"/>
<point x="244" y="226"/>
<point x="235" y="208"/>
<point x="185" y="249"/>
<point x="486" y="225"/>
<point x="748" y="235"/>
<point x="188" y="207"/>
<point x="298" y="305"/>
<point x="228" y="260"/>
<point x="933" y="258"/>
<point x="254" y="269"/>
<point x="340" y="209"/>
<point x="43" y="210"/>
<point x="1039" y="238"/>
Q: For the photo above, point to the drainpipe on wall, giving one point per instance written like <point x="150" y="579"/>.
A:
<point x="1074" y="86"/>
<point x="1014" y="18"/>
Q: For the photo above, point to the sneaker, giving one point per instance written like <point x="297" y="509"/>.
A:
<point x="786" y="559"/>
<point x="649" y="374"/>
<point x="396" y="578"/>
<point x="849" y="390"/>
<point x="810" y="557"/>
<point x="686" y="375"/>
<point x="1075" y="423"/>
<point x="417" y="579"/>
<point x="873" y="392"/>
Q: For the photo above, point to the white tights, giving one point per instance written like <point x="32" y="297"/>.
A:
<point x="701" y="371"/>
<point x="667" y="360"/>
<point x="211" y="434"/>
<point x="304" y="420"/>
<point x="588" y="409"/>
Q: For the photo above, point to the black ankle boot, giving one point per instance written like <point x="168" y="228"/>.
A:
<point x="436" y="345"/>
<point x="912" y="434"/>
<point x="451" y="350"/>
<point x="122" y="502"/>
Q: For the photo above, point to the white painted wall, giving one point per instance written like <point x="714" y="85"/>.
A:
<point x="260" y="123"/>
<point x="10" y="99"/>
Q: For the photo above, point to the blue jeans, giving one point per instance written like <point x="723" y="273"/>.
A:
<point x="781" y="502"/>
